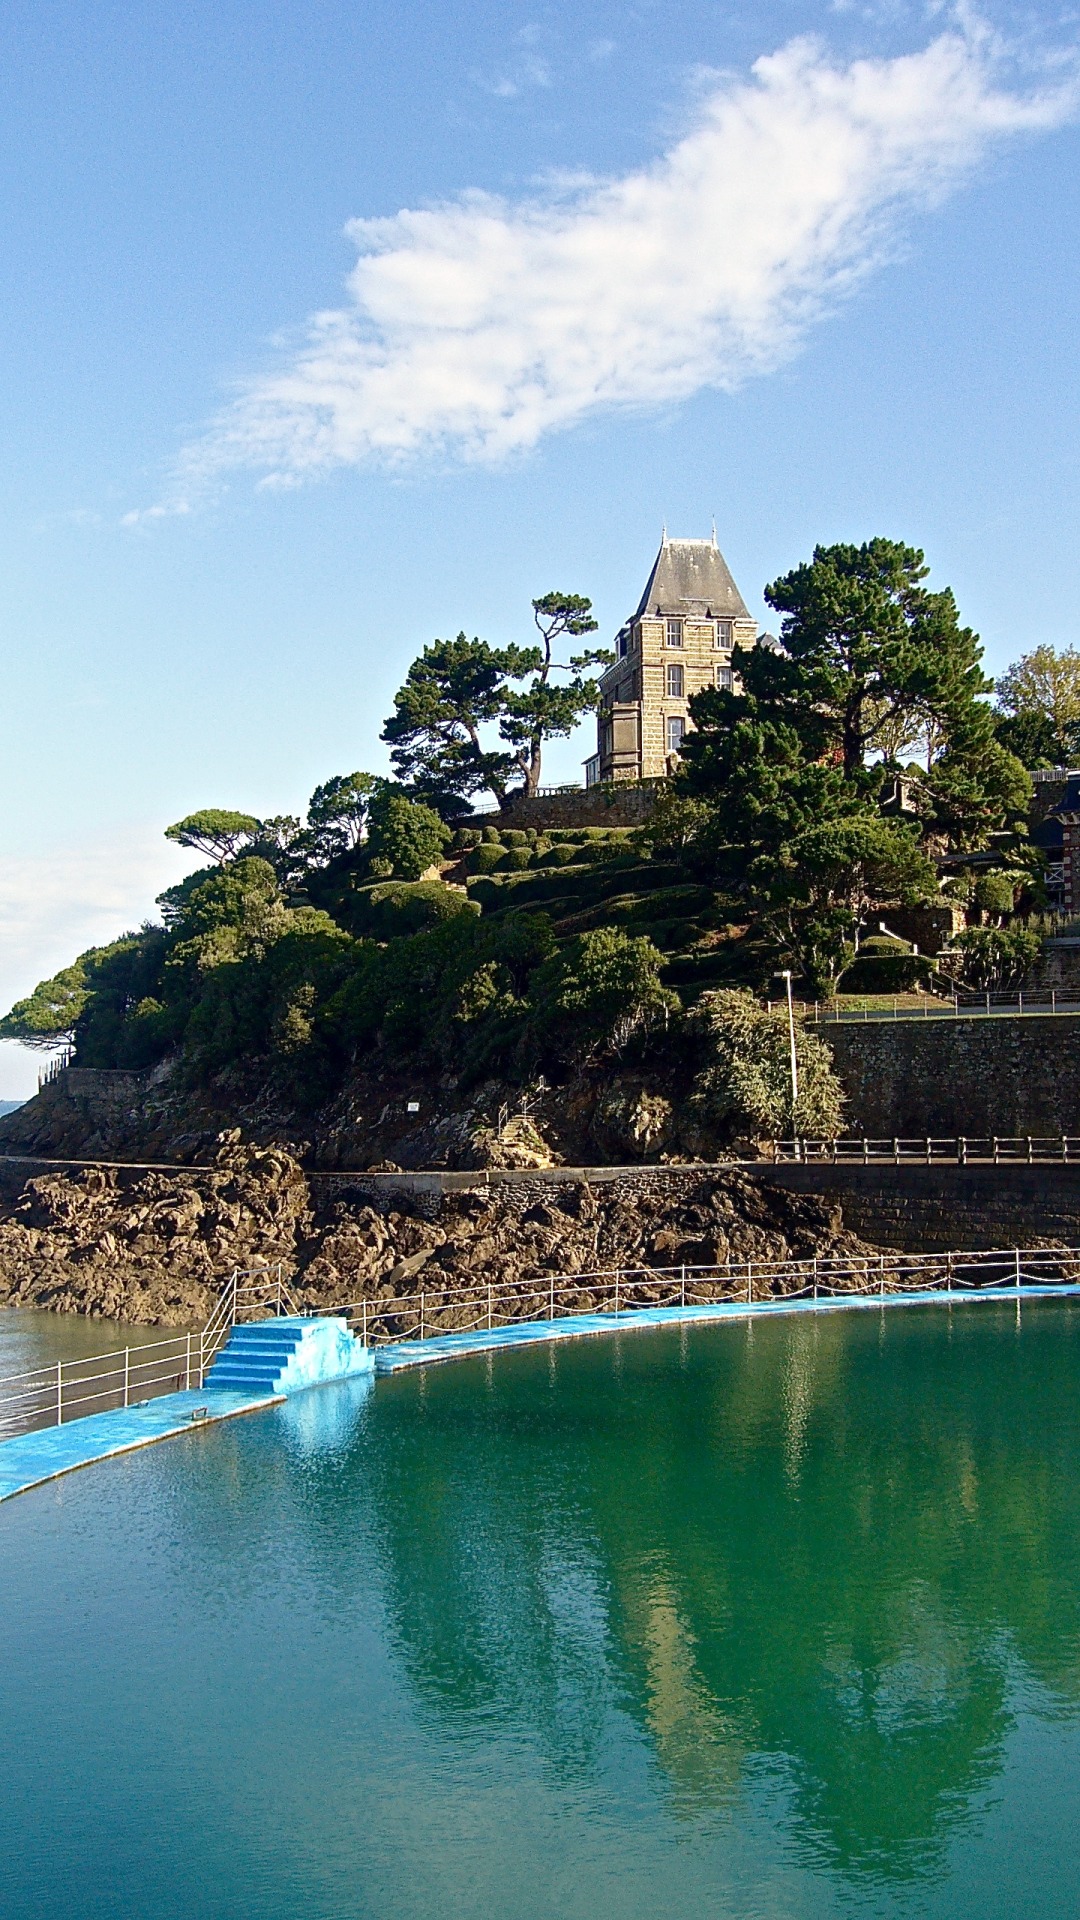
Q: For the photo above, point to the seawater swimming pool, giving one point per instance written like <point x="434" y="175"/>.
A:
<point x="761" y="1619"/>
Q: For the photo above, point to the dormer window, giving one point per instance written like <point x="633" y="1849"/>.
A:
<point x="725" y="634"/>
<point x="673" y="633"/>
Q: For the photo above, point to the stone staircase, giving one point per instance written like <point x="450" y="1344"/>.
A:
<point x="284" y="1355"/>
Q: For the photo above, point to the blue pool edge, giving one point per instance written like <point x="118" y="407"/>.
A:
<point x="33" y="1459"/>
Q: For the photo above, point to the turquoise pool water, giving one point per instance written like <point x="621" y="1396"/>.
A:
<point x="773" y="1620"/>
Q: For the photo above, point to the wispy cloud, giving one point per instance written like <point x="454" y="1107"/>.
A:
<point x="526" y="69"/>
<point x="475" y="327"/>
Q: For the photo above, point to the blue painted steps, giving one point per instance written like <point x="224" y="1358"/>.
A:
<point x="282" y="1356"/>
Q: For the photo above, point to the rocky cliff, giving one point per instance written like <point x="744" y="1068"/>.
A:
<point x="157" y="1248"/>
<point x="386" y="1112"/>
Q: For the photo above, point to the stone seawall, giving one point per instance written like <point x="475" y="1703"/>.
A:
<point x="916" y="1209"/>
<point x="1005" y="1076"/>
<point x="927" y="1209"/>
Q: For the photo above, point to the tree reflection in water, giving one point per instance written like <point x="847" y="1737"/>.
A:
<point x="824" y="1553"/>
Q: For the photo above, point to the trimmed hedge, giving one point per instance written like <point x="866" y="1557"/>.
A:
<point x="395" y="907"/>
<point x="887" y="973"/>
<point x="575" y="885"/>
<point x="485" y="858"/>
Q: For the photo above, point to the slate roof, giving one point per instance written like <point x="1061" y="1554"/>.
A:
<point x="692" y="577"/>
<point x="1049" y="833"/>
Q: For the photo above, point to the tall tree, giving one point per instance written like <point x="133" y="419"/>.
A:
<point x="868" y="661"/>
<point x="1042" y="689"/>
<point x="455" y="688"/>
<point x="867" y="652"/>
<point x="748" y="765"/>
<point x="816" y="891"/>
<point x="218" y="831"/>
<point x="547" y="709"/>
<point x="337" y="815"/>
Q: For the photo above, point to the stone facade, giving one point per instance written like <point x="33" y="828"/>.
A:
<point x="682" y="639"/>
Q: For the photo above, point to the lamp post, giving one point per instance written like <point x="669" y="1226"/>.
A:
<point x="786" y="978"/>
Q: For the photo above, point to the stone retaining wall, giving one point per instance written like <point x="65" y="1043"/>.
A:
<point x="916" y="1209"/>
<point x="623" y="803"/>
<point x="978" y="1077"/>
<point x="928" y="1209"/>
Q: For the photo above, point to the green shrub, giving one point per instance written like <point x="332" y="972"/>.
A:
<point x="491" y="836"/>
<point x="486" y="857"/>
<point x="467" y="837"/>
<point x="883" y="943"/>
<point x="595" y="993"/>
<point x="560" y="855"/>
<point x="995" y="893"/>
<point x="746" y="1081"/>
<point x="894" y="972"/>
<point x="398" y="907"/>
<point x="405" y="833"/>
<point x="994" y="959"/>
<point x="610" y="848"/>
<point x="515" y="837"/>
<point x="516" y="859"/>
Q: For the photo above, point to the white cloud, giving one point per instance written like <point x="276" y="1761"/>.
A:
<point x="55" y="904"/>
<point x="475" y="327"/>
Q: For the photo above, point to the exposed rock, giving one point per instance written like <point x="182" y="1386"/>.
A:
<point x="517" y="1142"/>
<point x="591" y="1119"/>
<point x="160" y="1248"/>
<point x="633" y="1123"/>
<point x="157" y="1251"/>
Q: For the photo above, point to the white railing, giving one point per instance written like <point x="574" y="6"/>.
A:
<point x="626" y="1290"/>
<point x="131" y="1376"/>
<point x="955" y="1006"/>
<point x="101" y="1382"/>
<point x="941" y="1150"/>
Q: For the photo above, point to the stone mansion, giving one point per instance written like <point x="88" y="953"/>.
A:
<point x="681" y="639"/>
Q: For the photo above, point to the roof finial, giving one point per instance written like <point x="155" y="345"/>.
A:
<point x="663" y="534"/>
<point x="714" y="529"/>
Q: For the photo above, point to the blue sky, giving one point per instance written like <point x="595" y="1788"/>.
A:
<point x="811" y="269"/>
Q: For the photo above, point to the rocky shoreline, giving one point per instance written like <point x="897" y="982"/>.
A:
<point x="158" y="1249"/>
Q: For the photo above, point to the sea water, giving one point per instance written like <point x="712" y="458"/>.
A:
<point x="768" y="1620"/>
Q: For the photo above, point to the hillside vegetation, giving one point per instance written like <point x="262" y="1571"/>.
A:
<point x="378" y="945"/>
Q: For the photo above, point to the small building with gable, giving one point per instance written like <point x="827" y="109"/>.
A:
<point x="689" y="621"/>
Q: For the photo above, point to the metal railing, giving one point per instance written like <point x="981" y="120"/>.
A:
<point x="626" y="1290"/>
<point x="942" y="1150"/>
<point x="101" y="1382"/>
<point x="130" y="1376"/>
<point x="955" y="1006"/>
<point x="53" y="1068"/>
